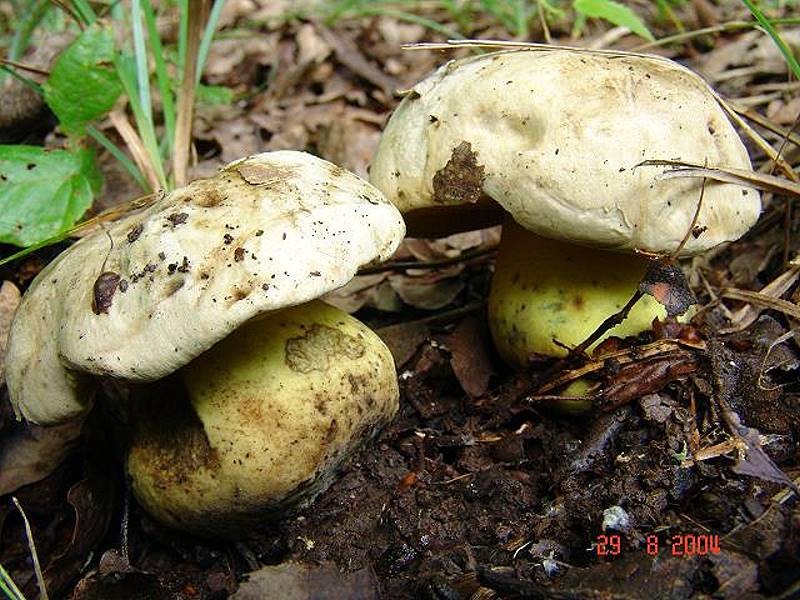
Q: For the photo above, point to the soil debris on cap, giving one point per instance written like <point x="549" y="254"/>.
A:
<point x="135" y="232"/>
<point x="105" y="286"/>
<point x="177" y="218"/>
<point x="460" y="181"/>
<point x="258" y="174"/>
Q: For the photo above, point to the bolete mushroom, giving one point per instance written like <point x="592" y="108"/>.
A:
<point x="556" y="138"/>
<point x="260" y="389"/>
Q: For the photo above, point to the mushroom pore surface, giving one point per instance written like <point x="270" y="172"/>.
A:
<point x="259" y="423"/>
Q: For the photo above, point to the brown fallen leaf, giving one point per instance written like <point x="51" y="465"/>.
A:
<point x="404" y="339"/>
<point x="351" y="57"/>
<point x="730" y="380"/>
<point x="646" y="377"/>
<point x="350" y="143"/>
<point x="470" y="360"/>
<point x="297" y="581"/>
<point x="430" y="291"/>
<point x="29" y="453"/>
<point x="115" y="578"/>
<point x="92" y="500"/>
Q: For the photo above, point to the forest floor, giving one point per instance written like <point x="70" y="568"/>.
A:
<point x="676" y="486"/>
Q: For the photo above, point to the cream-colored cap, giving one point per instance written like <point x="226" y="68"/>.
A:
<point x="554" y="137"/>
<point x="150" y="292"/>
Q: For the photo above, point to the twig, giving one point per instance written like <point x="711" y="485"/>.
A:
<point x="765" y="147"/>
<point x="764" y="122"/>
<point x="660" y="348"/>
<point x="136" y="147"/>
<point x="543" y="22"/>
<point x="410" y="264"/>
<point x="37" y="568"/>
<point x="352" y="58"/>
<point x="743" y="177"/>
<point x="609" y="323"/>
<point x="774" y="289"/>
<point x="693" y="222"/>
<point x="198" y="12"/>
<point x="24" y="67"/>
<point x="762" y="300"/>
<point x="722" y="28"/>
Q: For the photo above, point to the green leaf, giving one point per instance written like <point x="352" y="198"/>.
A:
<point x="83" y="84"/>
<point x="212" y="95"/>
<point x="43" y="192"/>
<point x="615" y="13"/>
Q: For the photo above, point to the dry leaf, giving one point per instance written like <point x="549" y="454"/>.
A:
<point x="429" y="292"/>
<point x="355" y="293"/>
<point x="350" y="143"/>
<point x="404" y="339"/>
<point x="470" y="361"/>
<point x="29" y="453"/>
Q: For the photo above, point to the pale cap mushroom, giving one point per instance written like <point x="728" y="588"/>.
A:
<point x="554" y="137"/>
<point x="142" y="297"/>
<point x="261" y="391"/>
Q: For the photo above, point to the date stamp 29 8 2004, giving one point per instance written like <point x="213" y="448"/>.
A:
<point x="681" y="544"/>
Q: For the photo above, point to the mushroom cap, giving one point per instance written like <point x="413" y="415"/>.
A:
<point x="554" y="137"/>
<point x="147" y="294"/>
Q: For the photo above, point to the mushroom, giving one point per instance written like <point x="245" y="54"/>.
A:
<point x="261" y="391"/>
<point x="556" y="138"/>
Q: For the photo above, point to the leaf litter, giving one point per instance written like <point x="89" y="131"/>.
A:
<point x="482" y="487"/>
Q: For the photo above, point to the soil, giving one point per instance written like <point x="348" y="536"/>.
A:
<point x="679" y="482"/>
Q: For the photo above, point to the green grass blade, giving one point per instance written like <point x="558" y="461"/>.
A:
<point x="183" y="35"/>
<point x="521" y="18"/>
<point x="336" y="11"/>
<point x="762" y="19"/>
<point x="137" y="84"/>
<point x="84" y="11"/>
<point x="117" y="153"/>
<point x="127" y="74"/>
<point x="26" y="80"/>
<point x="208" y="36"/>
<point x="8" y="587"/>
<point x="401" y="15"/>
<point x="164" y="86"/>
<point x="140" y="54"/>
<point x="25" y="27"/>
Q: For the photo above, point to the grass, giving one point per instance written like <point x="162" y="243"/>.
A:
<point x="8" y="587"/>
<point x="769" y="27"/>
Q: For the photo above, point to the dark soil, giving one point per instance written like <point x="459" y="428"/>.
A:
<point x="677" y="484"/>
